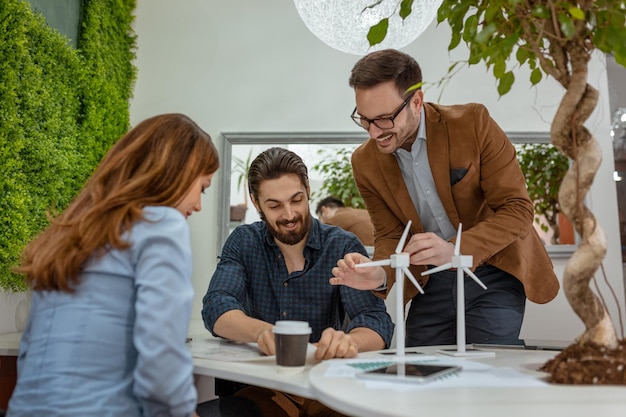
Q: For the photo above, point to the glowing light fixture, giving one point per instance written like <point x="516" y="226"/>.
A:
<point x="344" y="24"/>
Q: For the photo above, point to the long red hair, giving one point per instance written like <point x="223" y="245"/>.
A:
<point x="154" y="164"/>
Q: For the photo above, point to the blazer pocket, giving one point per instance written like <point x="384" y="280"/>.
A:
<point x="459" y="177"/>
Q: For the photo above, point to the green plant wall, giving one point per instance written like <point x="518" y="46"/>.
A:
<point x="60" y="111"/>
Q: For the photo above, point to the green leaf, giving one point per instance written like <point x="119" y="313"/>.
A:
<point x="454" y="42"/>
<point x="567" y="26"/>
<point x="378" y="32"/>
<point x="522" y="55"/>
<point x="442" y="13"/>
<point x="505" y="83"/>
<point x="415" y="87"/>
<point x="541" y="11"/>
<point x="405" y="8"/>
<point x="499" y="68"/>
<point x="471" y="26"/>
<point x="486" y="33"/>
<point x="577" y="13"/>
<point x="620" y="59"/>
<point x="475" y="55"/>
<point x="492" y="11"/>
<point x="535" y="76"/>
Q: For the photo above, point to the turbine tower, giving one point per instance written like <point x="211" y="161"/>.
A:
<point x="462" y="263"/>
<point x="400" y="261"/>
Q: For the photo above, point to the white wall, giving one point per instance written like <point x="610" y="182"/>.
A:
<point x="253" y="66"/>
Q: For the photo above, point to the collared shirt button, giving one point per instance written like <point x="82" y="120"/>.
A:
<point x="284" y="314"/>
<point x="285" y="284"/>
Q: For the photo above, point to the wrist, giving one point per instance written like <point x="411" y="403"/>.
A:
<point x="262" y="332"/>
<point x="383" y="286"/>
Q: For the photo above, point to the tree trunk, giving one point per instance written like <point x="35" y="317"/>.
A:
<point x="570" y="136"/>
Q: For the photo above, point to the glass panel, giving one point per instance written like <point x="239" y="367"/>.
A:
<point x="240" y="148"/>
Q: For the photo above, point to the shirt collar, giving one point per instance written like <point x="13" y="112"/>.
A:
<point x="421" y="130"/>
<point x="421" y="135"/>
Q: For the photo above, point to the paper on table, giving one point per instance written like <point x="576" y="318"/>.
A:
<point x="472" y="375"/>
<point x="229" y="351"/>
<point x="224" y="350"/>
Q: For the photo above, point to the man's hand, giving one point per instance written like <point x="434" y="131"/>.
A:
<point x="345" y="273"/>
<point x="266" y="342"/>
<point x="237" y="326"/>
<point x="335" y="344"/>
<point x="429" y="249"/>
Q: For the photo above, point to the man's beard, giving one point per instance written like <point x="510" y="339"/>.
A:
<point x="293" y="237"/>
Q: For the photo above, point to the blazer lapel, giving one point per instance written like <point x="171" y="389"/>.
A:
<point x="397" y="193"/>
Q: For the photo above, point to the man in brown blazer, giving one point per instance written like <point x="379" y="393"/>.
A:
<point x="441" y="166"/>
<point x="332" y="211"/>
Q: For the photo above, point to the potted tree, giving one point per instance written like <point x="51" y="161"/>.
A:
<point x="556" y="39"/>
<point x="240" y="168"/>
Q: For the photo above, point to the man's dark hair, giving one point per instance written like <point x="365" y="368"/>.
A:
<point x="272" y="164"/>
<point x="332" y="202"/>
<point x="386" y="65"/>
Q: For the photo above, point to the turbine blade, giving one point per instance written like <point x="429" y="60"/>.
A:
<point x="438" y="269"/>
<point x="374" y="263"/>
<point x="411" y="278"/>
<point x="474" y="277"/>
<point x="403" y="238"/>
<point x="457" y="246"/>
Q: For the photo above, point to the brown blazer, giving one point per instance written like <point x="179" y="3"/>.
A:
<point x="480" y="184"/>
<point x="356" y="221"/>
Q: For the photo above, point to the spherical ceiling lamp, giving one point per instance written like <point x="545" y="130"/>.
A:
<point x="344" y="24"/>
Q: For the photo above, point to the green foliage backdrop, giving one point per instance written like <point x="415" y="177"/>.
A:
<point x="60" y="110"/>
<point x="338" y="182"/>
<point x="544" y="168"/>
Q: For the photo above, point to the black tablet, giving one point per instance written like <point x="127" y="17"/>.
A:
<point x="409" y="372"/>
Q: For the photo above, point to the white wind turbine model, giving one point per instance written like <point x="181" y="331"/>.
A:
<point x="400" y="261"/>
<point x="462" y="264"/>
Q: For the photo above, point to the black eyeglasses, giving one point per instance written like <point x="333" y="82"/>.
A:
<point x="381" y="122"/>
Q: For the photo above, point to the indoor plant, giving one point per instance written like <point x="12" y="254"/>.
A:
<point x="240" y="168"/>
<point x="338" y="180"/>
<point x="544" y="168"/>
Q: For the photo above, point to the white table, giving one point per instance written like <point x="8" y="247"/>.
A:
<point x="260" y="372"/>
<point x="10" y="344"/>
<point x="354" y="397"/>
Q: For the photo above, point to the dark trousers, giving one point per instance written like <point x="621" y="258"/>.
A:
<point x="492" y="316"/>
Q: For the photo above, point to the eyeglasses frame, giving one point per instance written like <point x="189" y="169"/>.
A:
<point x="373" y="121"/>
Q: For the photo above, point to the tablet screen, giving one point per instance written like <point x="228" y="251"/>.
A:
<point x="409" y="372"/>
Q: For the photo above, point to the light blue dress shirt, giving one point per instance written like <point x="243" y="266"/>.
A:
<point x="116" y="346"/>
<point x="420" y="183"/>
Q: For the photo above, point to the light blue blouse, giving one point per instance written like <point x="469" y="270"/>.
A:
<point x="116" y="346"/>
